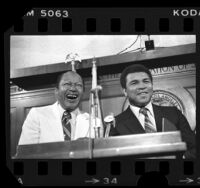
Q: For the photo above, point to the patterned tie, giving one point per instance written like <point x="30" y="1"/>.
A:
<point x="66" y="125"/>
<point x="149" y="128"/>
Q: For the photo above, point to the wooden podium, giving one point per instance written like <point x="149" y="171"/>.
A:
<point x="139" y="145"/>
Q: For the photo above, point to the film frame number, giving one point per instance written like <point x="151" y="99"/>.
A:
<point x="109" y="180"/>
<point x="54" y="13"/>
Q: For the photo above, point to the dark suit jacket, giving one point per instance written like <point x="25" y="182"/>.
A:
<point x="127" y="123"/>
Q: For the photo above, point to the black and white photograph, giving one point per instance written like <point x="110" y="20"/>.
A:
<point x="101" y="96"/>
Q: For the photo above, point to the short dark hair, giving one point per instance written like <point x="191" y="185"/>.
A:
<point x="132" y="69"/>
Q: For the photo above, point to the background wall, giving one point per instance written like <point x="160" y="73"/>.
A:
<point x="30" y="51"/>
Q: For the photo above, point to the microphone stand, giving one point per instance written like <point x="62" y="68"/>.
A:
<point x="95" y="120"/>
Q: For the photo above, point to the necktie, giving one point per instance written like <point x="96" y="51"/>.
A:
<point x="149" y="128"/>
<point x="66" y="125"/>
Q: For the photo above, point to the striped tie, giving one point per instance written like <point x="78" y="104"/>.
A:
<point x="149" y="128"/>
<point x="66" y="125"/>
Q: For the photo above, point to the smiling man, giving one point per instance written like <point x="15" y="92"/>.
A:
<point x="62" y="120"/>
<point x="69" y="90"/>
<point x="144" y="117"/>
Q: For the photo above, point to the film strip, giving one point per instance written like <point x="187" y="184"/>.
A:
<point x="113" y="171"/>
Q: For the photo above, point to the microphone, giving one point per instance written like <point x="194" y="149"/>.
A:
<point x="109" y="121"/>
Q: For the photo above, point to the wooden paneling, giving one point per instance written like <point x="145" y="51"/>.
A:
<point x="21" y="103"/>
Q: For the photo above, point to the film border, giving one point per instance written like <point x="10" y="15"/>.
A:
<point x="114" y="22"/>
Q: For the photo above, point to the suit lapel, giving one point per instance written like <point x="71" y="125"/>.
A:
<point x="158" y="117"/>
<point x="56" y="122"/>
<point x="132" y="123"/>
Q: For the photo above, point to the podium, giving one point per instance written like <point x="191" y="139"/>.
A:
<point x="138" y="145"/>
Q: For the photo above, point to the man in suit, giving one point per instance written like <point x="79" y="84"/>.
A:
<point x="45" y="124"/>
<point x="144" y="117"/>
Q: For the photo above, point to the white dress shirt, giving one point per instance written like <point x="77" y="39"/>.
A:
<point x="141" y="117"/>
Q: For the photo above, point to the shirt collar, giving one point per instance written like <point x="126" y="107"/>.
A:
<point x="61" y="111"/>
<point x="136" y="110"/>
